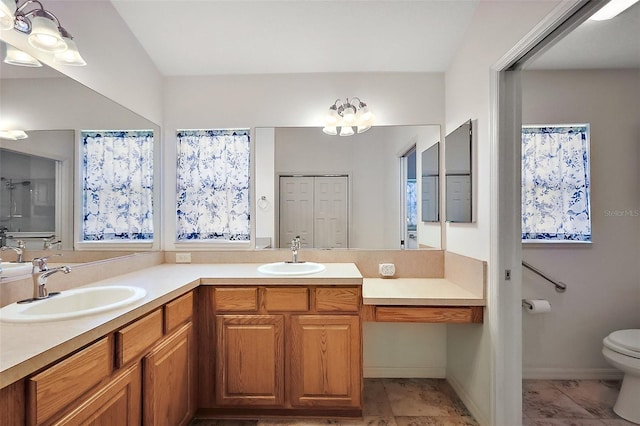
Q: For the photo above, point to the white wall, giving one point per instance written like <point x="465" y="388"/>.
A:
<point x="61" y="103"/>
<point x="117" y="66"/>
<point x="496" y="27"/>
<point x="603" y="278"/>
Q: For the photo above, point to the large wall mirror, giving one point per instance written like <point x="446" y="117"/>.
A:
<point x="339" y="192"/>
<point x="39" y="192"/>
<point x="458" y="174"/>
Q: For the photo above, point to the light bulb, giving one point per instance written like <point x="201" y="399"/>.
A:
<point x="346" y="131"/>
<point x="18" y="57"/>
<point x="330" y="130"/>
<point x="45" y="35"/>
<point x="7" y="8"/>
<point x="71" y="56"/>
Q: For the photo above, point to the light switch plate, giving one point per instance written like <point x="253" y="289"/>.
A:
<point x="387" y="269"/>
<point x="183" y="257"/>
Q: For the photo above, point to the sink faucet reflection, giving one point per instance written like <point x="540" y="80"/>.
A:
<point x="295" y="247"/>
<point x="19" y="249"/>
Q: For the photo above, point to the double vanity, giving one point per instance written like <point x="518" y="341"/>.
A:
<point x="236" y="340"/>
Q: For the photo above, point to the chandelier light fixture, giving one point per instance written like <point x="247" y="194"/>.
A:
<point x="43" y="30"/>
<point x="348" y="117"/>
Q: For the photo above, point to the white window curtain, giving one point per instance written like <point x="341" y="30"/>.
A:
<point x="213" y="185"/>
<point x="555" y="183"/>
<point x="117" y="185"/>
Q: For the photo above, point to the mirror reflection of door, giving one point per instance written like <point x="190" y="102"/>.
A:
<point x="315" y="208"/>
<point x="409" y="201"/>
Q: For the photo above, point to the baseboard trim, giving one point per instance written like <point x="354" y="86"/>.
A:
<point x="473" y="408"/>
<point x="571" y="374"/>
<point x="404" y="372"/>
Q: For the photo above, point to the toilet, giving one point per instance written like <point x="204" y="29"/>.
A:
<point x="622" y="350"/>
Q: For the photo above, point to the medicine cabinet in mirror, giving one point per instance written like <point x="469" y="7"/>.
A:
<point x="458" y="174"/>
<point x="431" y="183"/>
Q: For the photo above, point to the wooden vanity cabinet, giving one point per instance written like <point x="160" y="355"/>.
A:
<point x="143" y="373"/>
<point x="169" y="380"/>
<point x="281" y="349"/>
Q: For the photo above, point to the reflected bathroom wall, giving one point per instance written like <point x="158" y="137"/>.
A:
<point x="27" y="193"/>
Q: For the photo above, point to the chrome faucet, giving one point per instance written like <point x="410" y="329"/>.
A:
<point x="295" y="247"/>
<point x="19" y="249"/>
<point x="49" y="242"/>
<point x="40" y="278"/>
<point x="39" y="264"/>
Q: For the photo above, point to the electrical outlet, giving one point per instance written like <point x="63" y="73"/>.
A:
<point x="183" y="257"/>
<point x="387" y="269"/>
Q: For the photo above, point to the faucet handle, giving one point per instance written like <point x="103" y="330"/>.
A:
<point x="41" y="263"/>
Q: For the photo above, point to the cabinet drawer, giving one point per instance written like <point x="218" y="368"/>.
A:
<point x="178" y="311"/>
<point x="337" y="299"/>
<point x="236" y="299"/>
<point x="442" y="314"/>
<point x="288" y="299"/>
<point x="58" y="386"/>
<point x="132" y="340"/>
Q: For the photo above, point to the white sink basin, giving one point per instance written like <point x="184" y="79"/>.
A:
<point x="288" y="268"/>
<point x="11" y="269"/>
<point x="72" y="304"/>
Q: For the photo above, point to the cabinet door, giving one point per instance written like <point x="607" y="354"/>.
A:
<point x="117" y="403"/>
<point x="169" y="380"/>
<point x="324" y="368"/>
<point x="250" y="360"/>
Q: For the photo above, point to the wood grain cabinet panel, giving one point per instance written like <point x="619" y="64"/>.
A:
<point x="250" y="360"/>
<point x="117" y="403"/>
<point x="178" y="312"/>
<point x="442" y="314"/>
<point x="169" y="380"/>
<point x="286" y="299"/>
<point x="133" y="340"/>
<point x="338" y="299"/>
<point x="325" y="363"/>
<point x="52" y="390"/>
<point x="236" y="299"/>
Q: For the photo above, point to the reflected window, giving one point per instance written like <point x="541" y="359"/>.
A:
<point x="556" y="183"/>
<point x="117" y="191"/>
<point x="213" y="185"/>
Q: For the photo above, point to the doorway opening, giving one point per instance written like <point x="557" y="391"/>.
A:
<point x="409" y="200"/>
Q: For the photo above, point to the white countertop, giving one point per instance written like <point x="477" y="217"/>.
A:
<point x="417" y="292"/>
<point x="25" y="348"/>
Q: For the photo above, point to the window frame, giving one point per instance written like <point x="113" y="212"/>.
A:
<point x="542" y="242"/>
<point x="115" y="245"/>
<point x="213" y="244"/>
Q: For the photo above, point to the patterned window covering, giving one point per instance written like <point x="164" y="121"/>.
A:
<point x="412" y="204"/>
<point x="556" y="183"/>
<point x="213" y="185"/>
<point x="117" y="185"/>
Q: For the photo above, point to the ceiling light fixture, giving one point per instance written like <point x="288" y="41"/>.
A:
<point x="612" y="9"/>
<point x="18" y="57"/>
<point x="43" y="29"/>
<point x="13" y="134"/>
<point x="7" y="8"/>
<point x="348" y="117"/>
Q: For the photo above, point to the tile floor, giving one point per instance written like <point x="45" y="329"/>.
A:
<point x="432" y="402"/>
<point x="389" y="402"/>
<point x="570" y="403"/>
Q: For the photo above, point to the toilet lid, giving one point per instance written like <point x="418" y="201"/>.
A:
<point x="627" y="339"/>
